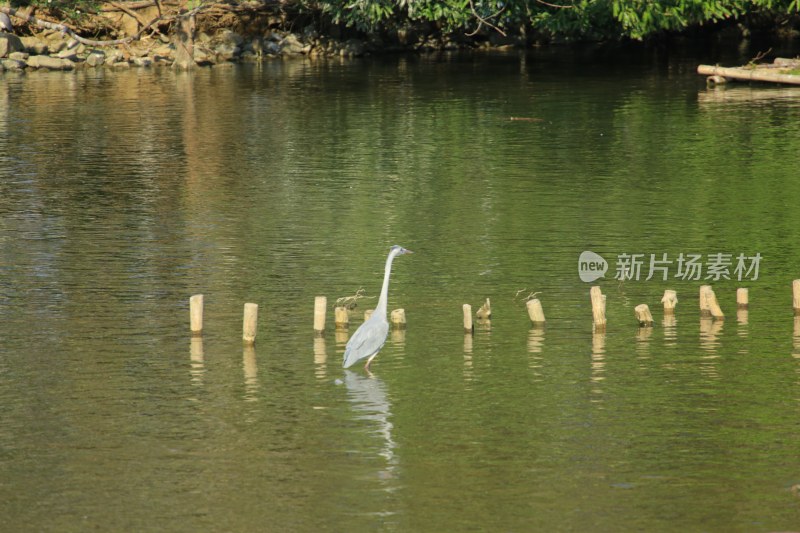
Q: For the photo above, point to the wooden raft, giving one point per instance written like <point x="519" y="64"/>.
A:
<point x="782" y="70"/>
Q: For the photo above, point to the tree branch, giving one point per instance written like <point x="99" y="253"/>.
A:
<point x="91" y="42"/>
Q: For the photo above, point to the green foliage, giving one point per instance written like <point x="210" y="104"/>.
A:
<point x="634" y="19"/>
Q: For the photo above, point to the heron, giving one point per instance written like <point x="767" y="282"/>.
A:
<point x="368" y="339"/>
<point x="5" y="23"/>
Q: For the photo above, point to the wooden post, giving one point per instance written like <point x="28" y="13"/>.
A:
<point x="249" y="323"/>
<point x="708" y="303"/>
<point x="398" y="318"/>
<point x="598" y="308"/>
<point x="485" y="312"/>
<point x="535" y="312"/>
<point x="705" y="309"/>
<point x="670" y="300"/>
<point x="796" y="296"/>
<point x="643" y="316"/>
<point x="468" y="327"/>
<point x="196" y="314"/>
<point x="742" y="298"/>
<point x="320" y="309"/>
<point x="341" y="318"/>
<point x="368" y="314"/>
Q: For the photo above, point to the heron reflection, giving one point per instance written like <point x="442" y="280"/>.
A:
<point x="367" y="395"/>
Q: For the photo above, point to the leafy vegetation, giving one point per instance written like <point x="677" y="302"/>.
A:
<point x="635" y="19"/>
<point x="547" y="19"/>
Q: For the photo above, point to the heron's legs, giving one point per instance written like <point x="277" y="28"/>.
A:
<point x="371" y="357"/>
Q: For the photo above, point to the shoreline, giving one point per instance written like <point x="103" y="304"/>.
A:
<point x="191" y="42"/>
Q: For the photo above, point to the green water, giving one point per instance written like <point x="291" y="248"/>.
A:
<point x="122" y="194"/>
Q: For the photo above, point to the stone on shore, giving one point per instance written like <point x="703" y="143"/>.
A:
<point x="13" y="64"/>
<point x="95" y="58"/>
<point x="10" y="43"/>
<point x="51" y="63"/>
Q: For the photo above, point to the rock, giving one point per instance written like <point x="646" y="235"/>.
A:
<point x="115" y="57"/>
<point x="255" y="46"/>
<point x="49" y="62"/>
<point x="353" y="47"/>
<point x="67" y="54"/>
<point x="121" y="65"/>
<point x="19" y="56"/>
<point x="142" y="61"/>
<point x="164" y="53"/>
<point x="95" y="58"/>
<point x="227" y="52"/>
<point x="10" y="43"/>
<point x="292" y="45"/>
<point x="13" y="64"/>
<point x="56" y="43"/>
<point x="35" y="45"/>
<point x="202" y="58"/>
<point x="272" y="48"/>
<point x="230" y="37"/>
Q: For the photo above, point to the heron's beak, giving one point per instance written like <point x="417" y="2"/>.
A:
<point x="408" y="252"/>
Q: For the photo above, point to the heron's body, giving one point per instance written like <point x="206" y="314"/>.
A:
<point x="368" y="339"/>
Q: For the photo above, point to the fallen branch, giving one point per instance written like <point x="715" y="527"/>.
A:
<point x="92" y="42"/>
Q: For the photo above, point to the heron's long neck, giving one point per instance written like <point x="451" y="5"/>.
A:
<point x="382" y="301"/>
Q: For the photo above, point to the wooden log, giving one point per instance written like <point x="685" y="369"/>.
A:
<point x="598" y="308"/>
<point x="341" y="318"/>
<point x="643" y="316"/>
<point x="742" y="298"/>
<point x="468" y="326"/>
<point x="708" y="303"/>
<point x="485" y="312"/>
<point x="750" y="74"/>
<point x="320" y="309"/>
<point x="535" y="312"/>
<point x="368" y="313"/>
<point x="398" y="318"/>
<point x="250" y="323"/>
<point x="196" y="314"/>
<point x="670" y="300"/>
<point x="796" y="296"/>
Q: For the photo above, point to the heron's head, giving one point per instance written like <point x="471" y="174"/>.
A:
<point x="399" y="250"/>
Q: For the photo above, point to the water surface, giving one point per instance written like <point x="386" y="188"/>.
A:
<point x="121" y="194"/>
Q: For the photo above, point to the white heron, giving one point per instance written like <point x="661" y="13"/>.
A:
<point x="368" y="339"/>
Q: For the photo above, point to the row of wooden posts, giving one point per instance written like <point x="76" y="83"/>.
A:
<point x="708" y="308"/>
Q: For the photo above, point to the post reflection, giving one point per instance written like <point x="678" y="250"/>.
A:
<point x="369" y="401"/>
<point x="643" y="342"/>
<point x="468" y="357"/>
<point x="196" y="362"/>
<point x="598" y="365"/>
<point x="535" y="345"/>
<point x="670" y="323"/>
<point x="320" y="358"/>
<point x="250" y="368"/>
<point x="398" y="337"/>
<point x="710" y="330"/>
<point x="796" y="346"/>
